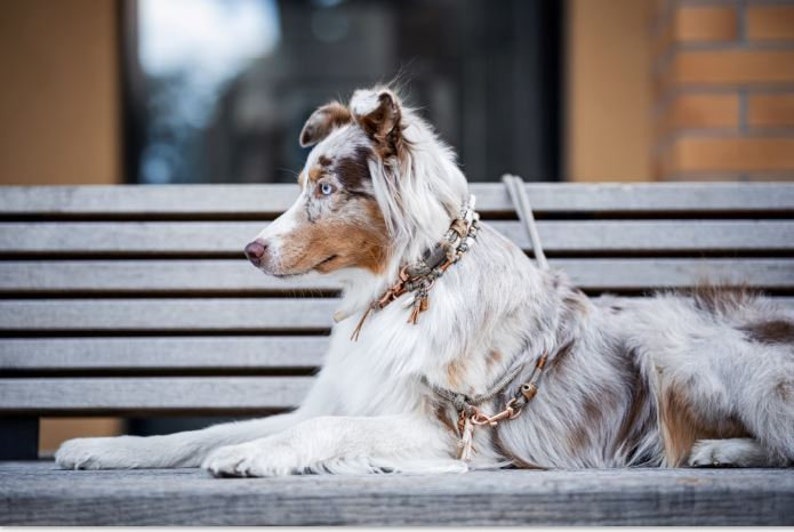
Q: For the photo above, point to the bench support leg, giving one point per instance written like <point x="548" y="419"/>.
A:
<point x="19" y="438"/>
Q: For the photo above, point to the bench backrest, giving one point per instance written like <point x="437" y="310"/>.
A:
<point x="130" y="300"/>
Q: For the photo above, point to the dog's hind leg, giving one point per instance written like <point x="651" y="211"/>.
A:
<point x="735" y="452"/>
<point x="764" y="400"/>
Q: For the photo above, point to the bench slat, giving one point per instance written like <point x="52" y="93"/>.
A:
<point x="223" y="239"/>
<point x="174" y="353"/>
<point x="230" y="315"/>
<point x="225" y="352"/>
<point x="173" y="315"/>
<point x="214" y="277"/>
<point x="64" y="395"/>
<point x="261" y="200"/>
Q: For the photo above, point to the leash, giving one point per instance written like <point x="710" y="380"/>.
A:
<point x="518" y="195"/>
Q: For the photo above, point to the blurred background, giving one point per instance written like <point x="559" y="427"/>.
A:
<point x="216" y="91"/>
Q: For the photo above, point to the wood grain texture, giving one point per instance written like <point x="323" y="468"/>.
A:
<point x="218" y="277"/>
<point x="163" y="353"/>
<point x="225" y="239"/>
<point x="174" y="315"/>
<point x="266" y="200"/>
<point x="134" y="394"/>
<point x="36" y="493"/>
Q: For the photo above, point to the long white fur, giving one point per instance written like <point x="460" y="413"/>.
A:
<point x="369" y="412"/>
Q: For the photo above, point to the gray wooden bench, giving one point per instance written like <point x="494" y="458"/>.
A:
<point x="133" y="301"/>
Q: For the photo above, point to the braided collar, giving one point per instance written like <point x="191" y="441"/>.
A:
<point x="420" y="277"/>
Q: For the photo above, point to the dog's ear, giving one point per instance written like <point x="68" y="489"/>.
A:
<point x="379" y="115"/>
<point x="322" y="121"/>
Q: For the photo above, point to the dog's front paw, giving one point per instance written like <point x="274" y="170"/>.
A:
<point x="252" y="459"/>
<point x="97" y="453"/>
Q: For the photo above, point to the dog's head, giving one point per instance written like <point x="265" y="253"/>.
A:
<point x="358" y="176"/>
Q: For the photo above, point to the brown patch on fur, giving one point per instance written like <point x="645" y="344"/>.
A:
<point x="784" y="389"/>
<point x="682" y="425"/>
<point x="770" y="332"/>
<point x="323" y="121"/>
<point x="353" y="171"/>
<point x="633" y="425"/>
<point x="493" y="358"/>
<point x="331" y="245"/>
<point x="324" y="161"/>
<point x="455" y="372"/>
<point x="315" y="173"/>
<point x="441" y="413"/>
<point x="504" y="452"/>
<point x="383" y="125"/>
<point x="593" y="412"/>
<point x="721" y="299"/>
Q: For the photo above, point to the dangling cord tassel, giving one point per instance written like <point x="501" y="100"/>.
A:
<point x="466" y="442"/>
<point x="357" y="330"/>
<point x="420" y="304"/>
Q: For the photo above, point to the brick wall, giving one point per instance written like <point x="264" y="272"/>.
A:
<point x="724" y="89"/>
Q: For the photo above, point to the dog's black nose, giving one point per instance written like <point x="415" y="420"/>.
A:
<point x="255" y="251"/>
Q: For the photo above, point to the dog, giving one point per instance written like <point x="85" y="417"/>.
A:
<point x="452" y="351"/>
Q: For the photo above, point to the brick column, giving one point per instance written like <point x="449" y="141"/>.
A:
<point x="724" y="89"/>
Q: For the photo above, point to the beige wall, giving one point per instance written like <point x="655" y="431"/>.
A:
<point x="609" y="90"/>
<point x="59" y="119"/>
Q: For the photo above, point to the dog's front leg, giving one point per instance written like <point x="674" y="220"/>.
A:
<point x="187" y="449"/>
<point x="353" y="445"/>
<point x="182" y="449"/>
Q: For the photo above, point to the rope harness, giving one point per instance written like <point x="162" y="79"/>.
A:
<point x="469" y="413"/>
<point x="470" y="416"/>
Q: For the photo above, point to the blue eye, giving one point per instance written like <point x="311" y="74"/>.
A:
<point x="326" y="189"/>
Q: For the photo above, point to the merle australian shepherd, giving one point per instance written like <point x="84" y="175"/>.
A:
<point x="446" y="328"/>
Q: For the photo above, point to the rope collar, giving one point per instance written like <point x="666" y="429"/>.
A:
<point x="420" y="277"/>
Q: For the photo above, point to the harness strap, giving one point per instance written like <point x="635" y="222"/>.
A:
<point x="464" y="403"/>
<point x="469" y="415"/>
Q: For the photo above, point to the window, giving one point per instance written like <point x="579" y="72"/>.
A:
<point x="216" y="91"/>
